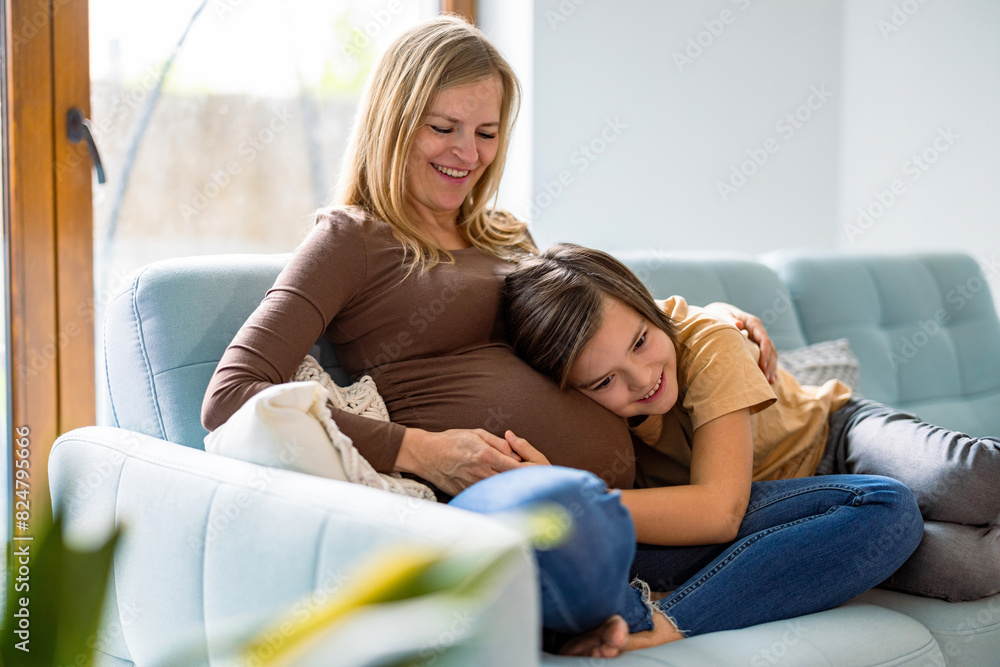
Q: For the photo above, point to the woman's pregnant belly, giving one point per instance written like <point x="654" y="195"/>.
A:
<point x="491" y="388"/>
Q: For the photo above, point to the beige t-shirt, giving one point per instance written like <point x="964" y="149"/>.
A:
<point x="717" y="374"/>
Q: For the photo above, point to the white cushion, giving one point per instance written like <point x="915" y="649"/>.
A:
<point x="280" y="427"/>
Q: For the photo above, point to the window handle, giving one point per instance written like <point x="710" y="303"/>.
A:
<point x="79" y="129"/>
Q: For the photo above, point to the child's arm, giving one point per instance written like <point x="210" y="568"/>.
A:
<point x="710" y="509"/>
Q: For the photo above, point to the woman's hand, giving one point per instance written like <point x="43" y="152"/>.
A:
<point x="458" y="458"/>
<point x="752" y="324"/>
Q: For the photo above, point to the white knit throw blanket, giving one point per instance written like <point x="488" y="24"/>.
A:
<point x="361" y="398"/>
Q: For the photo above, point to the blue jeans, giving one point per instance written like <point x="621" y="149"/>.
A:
<point x="584" y="580"/>
<point x="805" y="545"/>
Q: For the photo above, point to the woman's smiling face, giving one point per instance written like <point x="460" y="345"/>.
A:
<point x="630" y="365"/>
<point x="454" y="145"/>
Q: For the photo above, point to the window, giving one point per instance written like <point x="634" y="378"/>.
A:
<point x="222" y="124"/>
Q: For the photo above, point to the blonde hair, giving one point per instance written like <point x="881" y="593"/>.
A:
<point x="554" y="305"/>
<point x="435" y="55"/>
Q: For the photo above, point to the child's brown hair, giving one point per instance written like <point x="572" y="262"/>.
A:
<point x="554" y="304"/>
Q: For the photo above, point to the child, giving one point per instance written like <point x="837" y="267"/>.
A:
<point x="709" y="422"/>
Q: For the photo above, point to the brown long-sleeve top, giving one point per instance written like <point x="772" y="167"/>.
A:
<point x="433" y="343"/>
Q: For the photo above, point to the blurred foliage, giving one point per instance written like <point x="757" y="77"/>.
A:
<point x="406" y="572"/>
<point x="346" y="71"/>
<point x="350" y="54"/>
<point x="64" y="589"/>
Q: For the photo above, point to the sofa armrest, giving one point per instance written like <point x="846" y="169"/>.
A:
<point x="212" y="544"/>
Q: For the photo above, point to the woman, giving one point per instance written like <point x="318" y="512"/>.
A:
<point x="404" y="279"/>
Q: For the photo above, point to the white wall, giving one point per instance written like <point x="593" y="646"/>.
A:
<point x="686" y="124"/>
<point x="509" y="25"/>
<point x="903" y="89"/>
<point x="683" y="126"/>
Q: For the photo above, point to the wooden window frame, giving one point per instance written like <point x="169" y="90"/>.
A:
<point x="48" y="231"/>
<point x="466" y="8"/>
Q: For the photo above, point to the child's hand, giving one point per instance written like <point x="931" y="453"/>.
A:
<point x="524" y="449"/>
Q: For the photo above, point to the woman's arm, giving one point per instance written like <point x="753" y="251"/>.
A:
<point x="294" y="313"/>
<point x="754" y="327"/>
<point x="710" y="509"/>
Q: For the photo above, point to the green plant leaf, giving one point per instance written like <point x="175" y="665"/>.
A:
<point x="55" y="613"/>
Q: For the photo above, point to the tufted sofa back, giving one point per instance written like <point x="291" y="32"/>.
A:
<point x="923" y="326"/>
<point x="736" y="279"/>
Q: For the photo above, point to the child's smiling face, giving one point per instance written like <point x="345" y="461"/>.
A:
<point x="630" y="365"/>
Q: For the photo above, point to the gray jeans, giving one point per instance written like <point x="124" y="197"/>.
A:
<point x="956" y="480"/>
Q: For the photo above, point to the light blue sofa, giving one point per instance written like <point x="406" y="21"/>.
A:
<point x="209" y="547"/>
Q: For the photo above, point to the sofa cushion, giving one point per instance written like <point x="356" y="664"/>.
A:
<point x="853" y="634"/>
<point x="281" y="427"/>
<point x="735" y="279"/>
<point x="968" y="633"/>
<point x="923" y="327"/>
<point x="815" y="364"/>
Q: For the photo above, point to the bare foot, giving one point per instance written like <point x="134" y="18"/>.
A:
<point x="605" y="641"/>
<point x="612" y="638"/>
<point x="663" y="632"/>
